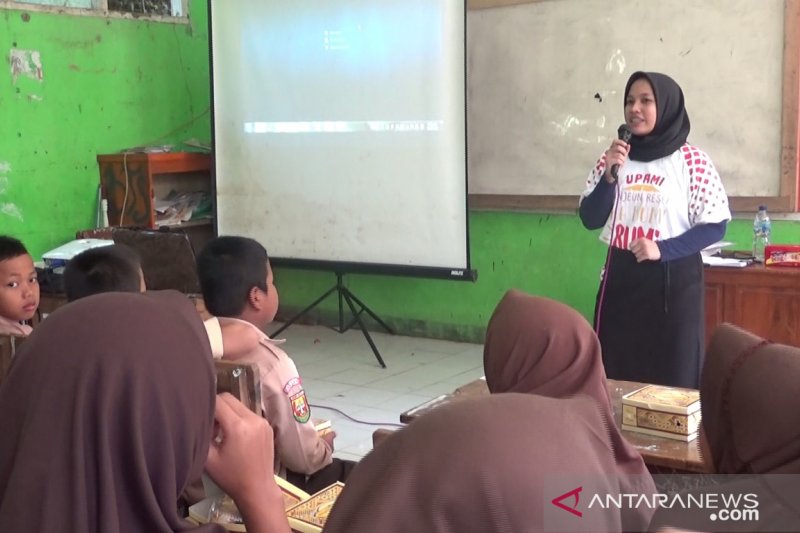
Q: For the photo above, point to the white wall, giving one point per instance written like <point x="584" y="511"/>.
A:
<point x="536" y="127"/>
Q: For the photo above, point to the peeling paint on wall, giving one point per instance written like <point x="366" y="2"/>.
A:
<point x="11" y="210"/>
<point x="569" y="122"/>
<point x="616" y="63"/>
<point x="26" y="63"/>
<point x="7" y="208"/>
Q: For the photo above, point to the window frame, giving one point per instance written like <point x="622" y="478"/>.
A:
<point x="99" y="9"/>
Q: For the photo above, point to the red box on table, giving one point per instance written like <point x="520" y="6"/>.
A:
<point x="782" y="255"/>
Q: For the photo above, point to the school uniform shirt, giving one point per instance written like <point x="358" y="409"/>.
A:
<point x="214" y="332"/>
<point x="298" y="446"/>
<point x="663" y="198"/>
<point x="14" y="328"/>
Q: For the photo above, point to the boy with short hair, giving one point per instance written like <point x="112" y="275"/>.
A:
<point x="112" y="268"/>
<point x="118" y="268"/>
<point x="237" y="284"/>
<point x="19" y="288"/>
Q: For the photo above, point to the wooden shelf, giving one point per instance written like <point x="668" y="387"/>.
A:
<point x="132" y="181"/>
<point x="161" y="162"/>
<point x="188" y="224"/>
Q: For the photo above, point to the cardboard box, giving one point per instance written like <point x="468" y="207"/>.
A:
<point x="782" y="255"/>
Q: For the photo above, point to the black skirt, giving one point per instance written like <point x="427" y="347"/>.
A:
<point x="650" y="319"/>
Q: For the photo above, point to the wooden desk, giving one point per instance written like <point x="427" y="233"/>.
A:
<point x="762" y="300"/>
<point x="660" y="455"/>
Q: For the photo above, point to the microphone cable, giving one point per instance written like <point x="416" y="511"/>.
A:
<point x="624" y="133"/>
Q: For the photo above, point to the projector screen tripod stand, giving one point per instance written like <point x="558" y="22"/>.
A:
<point x="345" y="295"/>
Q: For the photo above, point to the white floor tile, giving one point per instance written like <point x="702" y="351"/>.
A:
<point x="348" y="456"/>
<point x="435" y="389"/>
<point x="340" y="371"/>
<point x="366" y="396"/>
<point x="358" y="376"/>
<point x="404" y="402"/>
<point x="318" y="389"/>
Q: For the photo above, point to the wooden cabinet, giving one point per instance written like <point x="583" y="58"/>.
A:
<point x="131" y="183"/>
<point x="763" y="300"/>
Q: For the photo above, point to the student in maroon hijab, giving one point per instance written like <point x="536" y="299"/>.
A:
<point x="489" y="464"/>
<point x="539" y="346"/>
<point x="749" y="400"/>
<point x="748" y="382"/>
<point x="110" y="410"/>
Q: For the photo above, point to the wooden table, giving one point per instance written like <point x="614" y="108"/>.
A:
<point x="661" y="455"/>
<point x="763" y="300"/>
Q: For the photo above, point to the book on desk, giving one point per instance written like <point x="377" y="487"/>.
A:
<point x="669" y="412"/>
<point x="305" y="513"/>
<point x="666" y="455"/>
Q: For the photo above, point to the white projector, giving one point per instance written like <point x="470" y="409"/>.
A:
<point x="59" y="256"/>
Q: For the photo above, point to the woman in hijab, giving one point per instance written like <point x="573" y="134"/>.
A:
<point x="539" y="346"/>
<point x="109" y="412"/>
<point x="659" y="201"/>
<point x="749" y="396"/>
<point x="491" y="464"/>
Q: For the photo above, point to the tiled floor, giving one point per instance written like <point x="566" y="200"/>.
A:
<point x="340" y="371"/>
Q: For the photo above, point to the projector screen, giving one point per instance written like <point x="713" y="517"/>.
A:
<point x="340" y="132"/>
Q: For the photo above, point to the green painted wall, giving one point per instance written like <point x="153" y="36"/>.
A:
<point x="110" y="84"/>
<point x="548" y="255"/>
<point x="107" y="84"/>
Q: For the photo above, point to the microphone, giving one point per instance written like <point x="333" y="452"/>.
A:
<point x="624" y="133"/>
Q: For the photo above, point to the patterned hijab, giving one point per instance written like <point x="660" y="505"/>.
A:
<point x="481" y="464"/>
<point x="748" y="388"/>
<point x="106" y="415"/>
<point x="539" y="346"/>
<point x="672" y="122"/>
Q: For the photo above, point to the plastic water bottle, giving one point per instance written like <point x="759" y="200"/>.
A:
<point x="762" y="229"/>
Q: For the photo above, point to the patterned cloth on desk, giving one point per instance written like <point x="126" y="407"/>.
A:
<point x="539" y="346"/>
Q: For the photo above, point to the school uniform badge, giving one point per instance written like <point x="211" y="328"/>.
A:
<point x="300" y="408"/>
<point x="297" y="398"/>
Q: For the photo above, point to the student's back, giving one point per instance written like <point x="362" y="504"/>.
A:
<point x="490" y="464"/>
<point x="749" y="391"/>
<point x="103" y="427"/>
<point x="536" y="345"/>
<point x="237" y="284"/>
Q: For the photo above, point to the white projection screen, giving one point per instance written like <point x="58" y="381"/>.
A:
<point x="340" y="132"/>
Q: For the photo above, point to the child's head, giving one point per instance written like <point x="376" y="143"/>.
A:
<point x="113" y="268"/>
<point x="236" y="280"/>
<point x="19" y="287"/>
